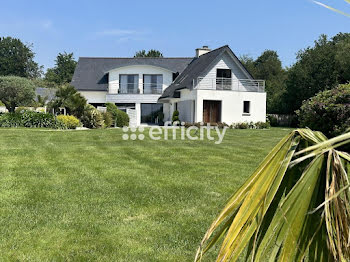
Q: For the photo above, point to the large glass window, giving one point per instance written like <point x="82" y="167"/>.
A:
<point x="223" y="79"/>
<point x="152" y="84"/>
<point x="151" y="113"/>
<point x="128" y="84"/>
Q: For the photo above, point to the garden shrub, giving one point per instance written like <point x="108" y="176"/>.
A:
<point x="262" y="125"/>
<point x="242" y="125"/>
<point x="70" y="122"/>
<point x="328" y="111"/>
<point x="273" y="120"/>
<point x="30" y="119"/>
<point x="175" y="117"/>
<point x="121" y="118"/>
<point x="107" y="117"/>
<point x="92" y="118"/>
<point x="1" y="103"/>
<point x="22" y="109"/>
<point x="16" y="91"/>
<point x="112" y="109"/>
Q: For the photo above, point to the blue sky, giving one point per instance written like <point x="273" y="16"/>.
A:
<point x="176" y="28"/>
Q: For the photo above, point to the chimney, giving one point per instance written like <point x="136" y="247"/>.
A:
<point x="203" y="50"/>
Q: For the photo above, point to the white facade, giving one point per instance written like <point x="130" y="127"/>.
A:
<point x="113" y="95"/>
<point x="237" y="97"/>
<point x="190" y="103"/>
<point x="140" y="70"/>
<point x="94" y="97"/>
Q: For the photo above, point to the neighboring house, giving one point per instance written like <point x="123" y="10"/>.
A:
<point x="213" y="86"/>
<point x="46" y="93"/>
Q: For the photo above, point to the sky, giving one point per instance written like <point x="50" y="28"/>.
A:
<point x="176" y="28"/>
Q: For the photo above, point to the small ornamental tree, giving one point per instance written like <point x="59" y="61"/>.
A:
<point x="16" y="91"/>
<point x="328" y="111"/>
<point x="175" y="117"/>
<point x="67" y="96"/>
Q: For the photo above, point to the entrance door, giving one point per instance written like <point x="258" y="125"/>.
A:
<point x="211" y="111"/>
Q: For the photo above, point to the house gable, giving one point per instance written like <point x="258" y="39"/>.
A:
<point x="202" y="66"/>
<point x="225" y="61"/>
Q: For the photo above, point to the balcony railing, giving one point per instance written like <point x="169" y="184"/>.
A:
<point x="152" y="88"/>
<point x="240" y="85"/>
<point x="132" y="88"/>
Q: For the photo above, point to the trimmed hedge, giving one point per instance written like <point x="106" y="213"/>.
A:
<point x="71" y="122"/>
<point x="30" y="119"/>
<point x="122" y="119"/>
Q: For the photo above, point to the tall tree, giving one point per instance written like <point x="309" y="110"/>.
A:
<point x="150" y="53"/>
<point x="268" y="67"/>
<point x="318" y="68"/>
<point x="64" y="69"/>
<point x="17" y="59"/>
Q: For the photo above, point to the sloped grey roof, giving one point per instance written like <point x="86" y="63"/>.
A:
<point x="195" y="68"/>
<point x="91" y="72"/>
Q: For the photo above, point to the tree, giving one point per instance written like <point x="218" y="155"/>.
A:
<point x="17" y="59"/>
<point x="63" y="71"/>
<point x="67" y="96"/>
<point x="294" y="207"/>
<point x="328" y="111"/>
<point x="268" y="67"/>
<point x="150" y="53"/>
<point x="16" y="91"/>
<point x="318" y="68"/>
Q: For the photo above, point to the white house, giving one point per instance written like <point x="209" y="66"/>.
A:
<point x="213" y="86"/>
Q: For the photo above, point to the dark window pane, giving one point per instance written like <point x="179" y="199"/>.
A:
<point x="150" y="113"/>
<point x="246" y="107"/>
<point x="223" y="73"/>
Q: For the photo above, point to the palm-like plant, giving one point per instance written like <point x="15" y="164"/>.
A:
<point x="294" y="207"/>
<point x="332" y="8"/>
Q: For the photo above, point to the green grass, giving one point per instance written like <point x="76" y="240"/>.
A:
<point x="91" y="196"/>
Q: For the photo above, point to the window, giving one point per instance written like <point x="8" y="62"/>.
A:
<point x="223" y="79"/>
<point x="246" y="107"/>
<point x="152" y="84"/>
<point x="175" y="75"/>
<point x="124" y="106"/>
<point x="151" y="113"/>
<point x="128" y="84"/>
<point x="223" y="73"/>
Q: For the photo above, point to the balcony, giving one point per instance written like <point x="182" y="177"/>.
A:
<point x="239" y="85"/>
<point x="152" y="88"/>
<point x="145" y="88"/>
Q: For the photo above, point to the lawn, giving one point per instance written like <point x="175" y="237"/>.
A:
<point x="91" y="196"/>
